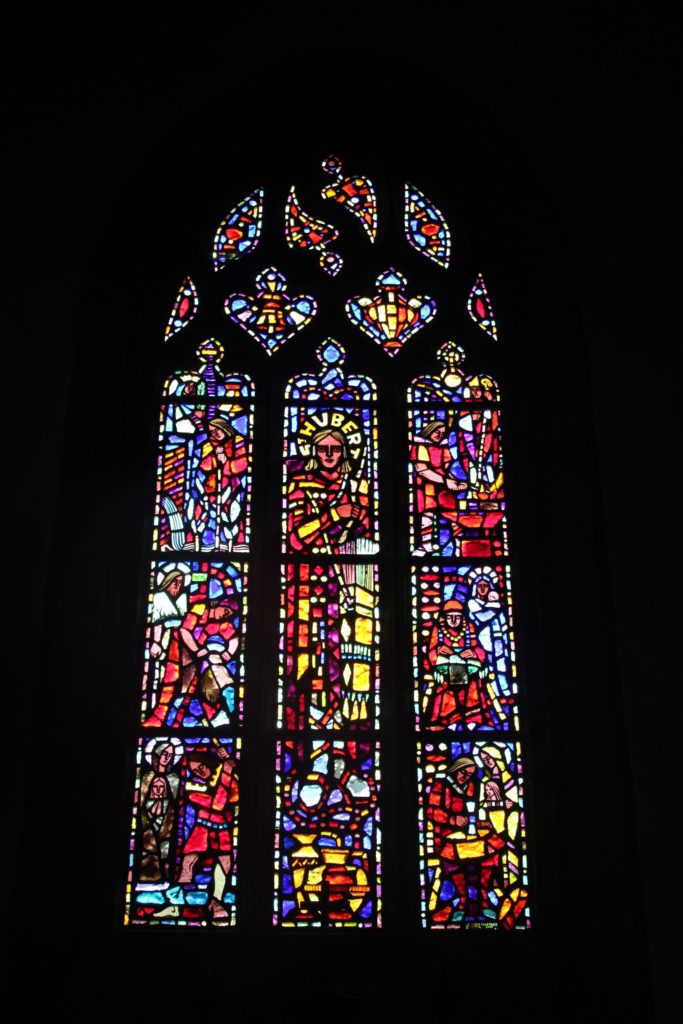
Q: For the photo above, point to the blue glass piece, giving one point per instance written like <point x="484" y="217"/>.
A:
<point x="332" y="353"/>
<point x="150" y="898"/>
<point x="197" y="899"/>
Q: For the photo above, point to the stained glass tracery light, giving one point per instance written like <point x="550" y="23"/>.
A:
<point x="305" y="232"/>
<point x="390" y="317"/>
<point x="480" y="309"/>
<point x="426" y="228"/>
<point x="356" y="194"/>
<point x="271" y="316"/>
<point x="184" y="308"/>
<point x="239" y="233"/>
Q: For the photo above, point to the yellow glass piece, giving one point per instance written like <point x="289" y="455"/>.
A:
<point x="513" y="824"/>
<point x="497" y="819"/>
<point x="363" y="630"/>
<point x="302" y="663"/>
<point x="361" y="678"/>
<point x="471" y="849"/>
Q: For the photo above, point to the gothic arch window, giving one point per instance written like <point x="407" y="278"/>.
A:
<point x="329" y="628"/>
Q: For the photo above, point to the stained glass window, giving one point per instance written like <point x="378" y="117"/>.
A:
<point x="421" y="581"/>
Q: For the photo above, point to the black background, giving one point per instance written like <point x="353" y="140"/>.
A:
<point x="562" y="126"/>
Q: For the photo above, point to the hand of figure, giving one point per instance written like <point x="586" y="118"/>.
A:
<point x="155" y="650"/>
<point x="223" y="755"/>
<point x="349" y="510"/>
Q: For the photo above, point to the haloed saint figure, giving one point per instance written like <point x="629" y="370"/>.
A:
<point x="327" y="498"/>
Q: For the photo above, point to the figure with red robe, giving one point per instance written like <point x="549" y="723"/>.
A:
<point x="436" y="487"/>
<point x="326" y="508"/>
<point x="211" y="793"/>
<point x="216" y="504"/>
<point x="463" y="846"/>
<point x="197" y="686"/>
<point x="457" y="663"/>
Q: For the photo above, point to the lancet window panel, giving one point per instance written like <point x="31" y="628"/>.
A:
<point x="204" y="465"/>
<point x="456" y="486"/>
<point x="473" y="862"/>
<point x="327" y="871"/>
<point x="463" y="648"/>
<point x="329" y="665"/>
<point x="330" y="491"/>
<point x="183" y="846"/>
<point x="328" y="853"/>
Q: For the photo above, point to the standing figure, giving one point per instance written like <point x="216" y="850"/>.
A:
<point x="211" y="792"/>
<point x="463" y="847"/>
<point x="169" y="607"/>
<point x="326" y="507"/>
<point x="436" y="487"/>
<point x="479" y="444"/>
<point x="457" y="662"/>
<point x="215" y="508"/>
<point x="486" y="612"/>
<point x="158" y="796"/>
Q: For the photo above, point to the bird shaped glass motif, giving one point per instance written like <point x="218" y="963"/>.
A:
<point x="356" y="194"/>
<point x="304" y="232"/>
